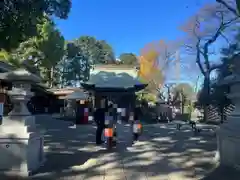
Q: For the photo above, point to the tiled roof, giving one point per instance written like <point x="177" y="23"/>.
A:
<point x="114" y="66"/>
<point x="4" y="67"/>
<point x="64" y="90"/>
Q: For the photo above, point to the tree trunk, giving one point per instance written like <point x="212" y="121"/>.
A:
<point x="63" y="79"/>
<point x="51" y="77"/>
<point x="206" y="95"/>
<point x="182" y="104"/>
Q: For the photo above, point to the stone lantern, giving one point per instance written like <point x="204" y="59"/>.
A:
<point x="22" y="150"/>
<point x="20" y="95"/>
<point x="228" y="135"/>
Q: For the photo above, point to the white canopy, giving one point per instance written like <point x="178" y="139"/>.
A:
<point x="77" y="95"/>
<point x="111" y="79"/>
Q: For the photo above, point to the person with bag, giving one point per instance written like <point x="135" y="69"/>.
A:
<point x="99" y="117"/>
<point x="136" y="124"/>
<point x="110" y="124"/>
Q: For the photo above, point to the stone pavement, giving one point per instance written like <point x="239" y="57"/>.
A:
<point x="163" y="153"/>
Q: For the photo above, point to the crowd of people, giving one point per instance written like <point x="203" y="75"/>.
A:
<point x="107" y="116"/>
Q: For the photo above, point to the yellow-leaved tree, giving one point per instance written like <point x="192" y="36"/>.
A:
<point x="155" y="60"/>
<point x="8" y="58"/>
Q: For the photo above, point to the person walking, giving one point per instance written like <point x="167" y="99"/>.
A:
<point x="99" y="117"/>
<point x="79" y="115"/>
<point x="136" y="125"/>
<point x="112" y="109"/>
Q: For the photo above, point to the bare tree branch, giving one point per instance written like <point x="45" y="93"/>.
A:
<point x="234" y="11"/>
<point x="223" y="25"/>
<point x="221" y="28"/>
<point x="198" y="59"/>
<point x="225" y="38"/>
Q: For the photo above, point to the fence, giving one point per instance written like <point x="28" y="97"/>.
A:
<point x="215" y="116"/>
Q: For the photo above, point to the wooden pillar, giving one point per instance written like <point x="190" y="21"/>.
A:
<point x="97" y="100"/>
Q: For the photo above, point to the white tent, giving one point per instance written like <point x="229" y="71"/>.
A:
<point x="77" y="95"/>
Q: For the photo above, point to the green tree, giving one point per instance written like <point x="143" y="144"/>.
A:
<point x="128" y="59"/>
<point x="183" y="93"/>
<point x="67" y="67"/>
<point x="75" y="66"/>
<point x="80" y="55"/>
<point x="18" y="19"/>
<point x="106" y="52"/>
<point x="51" y="44"/>
<point x="8" y="58"/>
<point x="98" y="51"/>
<point x="186" y="89"/>
<point x="41" y="53"/>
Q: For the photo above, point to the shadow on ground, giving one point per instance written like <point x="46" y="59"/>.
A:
<point x="223" y="173"/>
<point x="162" y="153"/>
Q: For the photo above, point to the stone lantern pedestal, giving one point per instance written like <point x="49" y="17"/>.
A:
<point x="228" y="135"/>
<point x="21" y="144"/>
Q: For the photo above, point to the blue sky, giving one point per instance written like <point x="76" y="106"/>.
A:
<point x="127" y="25"/>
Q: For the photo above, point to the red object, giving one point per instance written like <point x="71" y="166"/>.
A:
<point x="108" y="132"/>
<point x="85" y="118"/>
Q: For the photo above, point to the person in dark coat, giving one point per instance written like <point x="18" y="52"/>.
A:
<point x="112" y="109"/>
<point x="136" y="120"/>
<point x="79" y="112"/>
<point x="99" y="117"/>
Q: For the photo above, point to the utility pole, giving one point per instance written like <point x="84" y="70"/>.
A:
<point x="196" y="85"/>
<point x="169" y="87"/>
<point x="177" y="65"/>
<point x="182" y="100"/>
